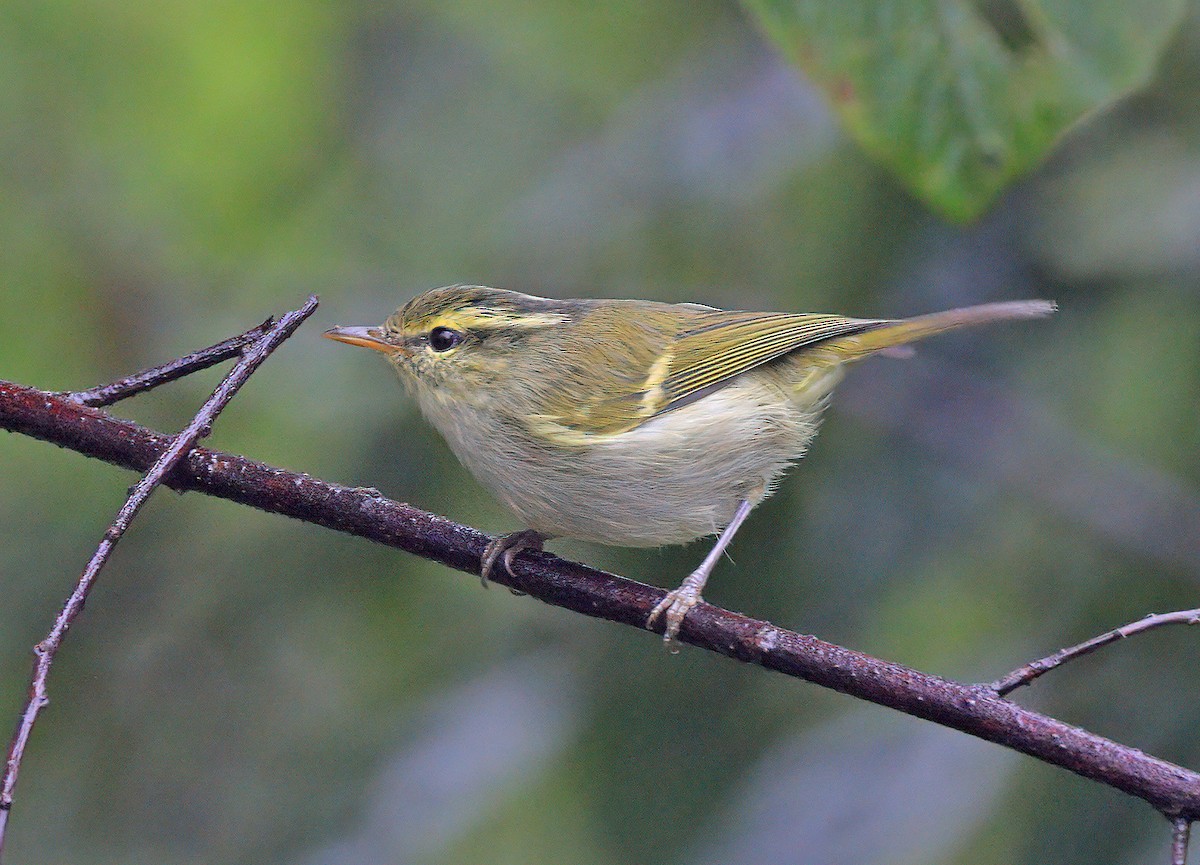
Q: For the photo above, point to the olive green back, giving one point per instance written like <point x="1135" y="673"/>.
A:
<point x="669" y="355"/>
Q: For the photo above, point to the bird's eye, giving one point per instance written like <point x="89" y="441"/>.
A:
<point x="444" y="338"/>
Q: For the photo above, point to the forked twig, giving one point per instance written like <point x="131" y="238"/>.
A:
<point x="107" y="394"/>
<point x="1027" y="673"/>
<point x="201" y="425"/>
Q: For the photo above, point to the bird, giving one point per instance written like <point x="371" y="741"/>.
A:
<point x="627" y="422"/>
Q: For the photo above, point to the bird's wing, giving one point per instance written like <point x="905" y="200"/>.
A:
<point x="654" y="369"/>
<point x="716" y="347"/>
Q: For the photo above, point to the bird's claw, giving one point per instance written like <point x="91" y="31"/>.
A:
<point x="505" y="548"/>
<point x="674" y="607"/>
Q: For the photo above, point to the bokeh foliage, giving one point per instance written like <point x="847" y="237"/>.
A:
<point x="245" y="689"/>
<point x="959" y="97"/>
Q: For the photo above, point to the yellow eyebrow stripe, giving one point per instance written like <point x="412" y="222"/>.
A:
<point x="484" y="318"/>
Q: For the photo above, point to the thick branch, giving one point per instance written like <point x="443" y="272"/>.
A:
<point x="973" y="709"/>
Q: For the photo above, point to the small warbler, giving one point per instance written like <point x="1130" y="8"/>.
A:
<point x="630" y="422"/>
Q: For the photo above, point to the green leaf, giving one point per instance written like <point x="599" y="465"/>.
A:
<point x="959" y="98"/>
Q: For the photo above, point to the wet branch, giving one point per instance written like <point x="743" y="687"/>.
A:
<point x="256" y="345"/>
<point x="974" y="709"/>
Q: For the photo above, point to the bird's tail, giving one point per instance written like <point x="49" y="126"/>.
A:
<point x="895" y="334"/>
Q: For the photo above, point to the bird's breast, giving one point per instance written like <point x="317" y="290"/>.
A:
<point x="674" y="478"/>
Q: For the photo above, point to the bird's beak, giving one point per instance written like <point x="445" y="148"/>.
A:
<point x="367" y="337"/>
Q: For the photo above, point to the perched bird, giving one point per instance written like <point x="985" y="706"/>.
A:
<point x="631" y="422"/>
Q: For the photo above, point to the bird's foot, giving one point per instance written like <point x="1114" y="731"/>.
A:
<point x="676" y="605"/>
<point x="504" y="548"/>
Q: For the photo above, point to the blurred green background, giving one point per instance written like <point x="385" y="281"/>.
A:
<point x="243" y="689"/>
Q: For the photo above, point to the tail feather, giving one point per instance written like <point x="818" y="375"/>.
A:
<point x="889" y="335"/>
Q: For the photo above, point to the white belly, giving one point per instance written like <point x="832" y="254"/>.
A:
<point x="675" y="478"/>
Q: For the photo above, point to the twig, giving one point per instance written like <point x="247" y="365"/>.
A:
<point x="107" y="394"/>
<point x="168" y="458"/>
<point x="973" y="709"/>
<point x="1025" y="674"/>
<point x="1180" y="835"/>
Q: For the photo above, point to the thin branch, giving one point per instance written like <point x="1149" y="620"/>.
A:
<point x="1027" y="673"/>
<point x="973" y="709"/>
<point x="166" y="460"/>
<point x="1180" y="835"/>
<point x="147" y="379"/>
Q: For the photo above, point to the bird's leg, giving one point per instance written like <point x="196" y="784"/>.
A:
<point x="505" y="547"/>
<point x="678" y="602"/>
